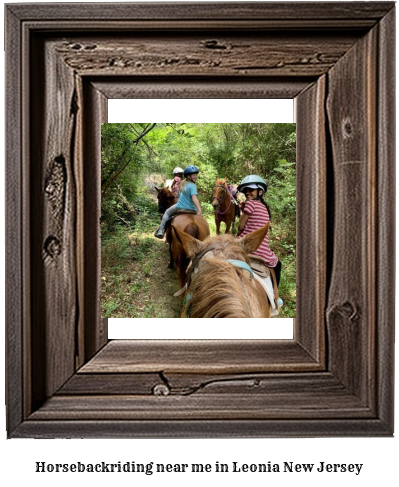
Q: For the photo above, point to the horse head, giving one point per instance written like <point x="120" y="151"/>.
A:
<point x="220" y="282"/>
<point x="219" y="192"/>
<point x="165" y="199"/>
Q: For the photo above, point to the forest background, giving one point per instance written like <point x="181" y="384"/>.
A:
<point x="137" y="157"/>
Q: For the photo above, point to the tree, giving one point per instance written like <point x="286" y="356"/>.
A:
<point x="119" y="148"/>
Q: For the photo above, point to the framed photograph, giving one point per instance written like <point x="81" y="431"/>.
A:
<point x="65" y="378"/>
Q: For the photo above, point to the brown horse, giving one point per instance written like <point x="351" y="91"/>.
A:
<point x="220" y="283"/>
<point x="223" y="204"/>
<point x="187" y="224"/>
<point x="165" y="199"/>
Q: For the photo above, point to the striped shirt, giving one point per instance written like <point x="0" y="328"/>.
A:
<point x="258" y="217"/>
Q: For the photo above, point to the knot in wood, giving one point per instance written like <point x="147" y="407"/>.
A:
<point x="90" y="47"/>
<point x="347" y="128"/>
<point x="346" y="312"/>
<point x="50" y="189"/>
<point x="161" y="390"/>
<point x="213" y="44"/>
<point x="51" y="249"/>
<point x="349" y="310"/>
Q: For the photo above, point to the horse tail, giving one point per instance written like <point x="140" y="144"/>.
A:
<point x="192" y="229"/>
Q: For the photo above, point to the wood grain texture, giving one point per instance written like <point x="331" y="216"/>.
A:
<point x="385" y="224"/>
<point x="240" y="55"/>
<point x="53" y="211"/>
<point x="200" y="356"/>
<point x="207" y="407"/>
<point x="351" y="109"/>
<point x="185" y="384"/>
<point x="191" y="428"/>
<point x="109" y="384"/>
<point x="335" y="377"/>
<point x="312" y="240"/>
<point x="15" y="206"/>
<point x="208" y="11"/>
<point x="94" y="330"/>
<point x="137" y="87"/>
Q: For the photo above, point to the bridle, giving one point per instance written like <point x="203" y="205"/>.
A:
<point x="193" y="264"/>
<point x="222" y="198"/>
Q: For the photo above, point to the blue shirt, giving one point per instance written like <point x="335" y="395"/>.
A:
<point x="185" y="201"/>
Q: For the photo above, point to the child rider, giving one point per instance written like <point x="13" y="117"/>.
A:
<point x="255" y="215"/>
<point x="188" y="199"/>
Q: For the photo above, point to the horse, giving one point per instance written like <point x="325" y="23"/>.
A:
<point x="223" y="204"/>
<point x="220" y="282"/>
<point x="188" y="224"/>
<point x="165" y="199"/>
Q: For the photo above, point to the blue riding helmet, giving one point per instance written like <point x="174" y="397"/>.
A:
<point x="253" y="181"/>
<point x="191" y="170"/>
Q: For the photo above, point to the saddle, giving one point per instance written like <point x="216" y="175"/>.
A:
<point x="179" y="212"/>
<point x="267" y="277"/>
<point x="185" y="212"/>
<point x="259" y="266"/>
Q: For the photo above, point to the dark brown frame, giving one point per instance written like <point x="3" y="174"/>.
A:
<point x="64" y="379"/>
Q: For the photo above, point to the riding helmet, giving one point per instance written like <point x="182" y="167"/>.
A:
<point x="178" y="170"/>
<point x="191" y="170"/>
<point x="254" y="182"/>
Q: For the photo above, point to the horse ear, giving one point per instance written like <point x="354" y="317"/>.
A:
<point x="252" y="241"/>
<point x="156" y="188"/>
<point x="190" y="244"/>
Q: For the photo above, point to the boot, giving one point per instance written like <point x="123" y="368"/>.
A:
<point x="160" y="233"/>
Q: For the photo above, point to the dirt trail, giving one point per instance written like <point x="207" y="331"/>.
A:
<point x="156" y="299"/>
<point x="163" y="283"/>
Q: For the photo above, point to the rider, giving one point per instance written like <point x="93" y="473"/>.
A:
<point x="177" y="179"/>
<point x="255" y="215"/>
<point x="188" y="199"/>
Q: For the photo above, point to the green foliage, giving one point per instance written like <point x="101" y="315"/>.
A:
<point x="281" y="198"/>
<point x="237" y="150"/>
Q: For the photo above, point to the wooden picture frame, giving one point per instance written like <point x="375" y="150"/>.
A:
<point x="335" y="378"/>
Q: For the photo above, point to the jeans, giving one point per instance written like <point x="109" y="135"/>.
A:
<point x="167" y="215"/>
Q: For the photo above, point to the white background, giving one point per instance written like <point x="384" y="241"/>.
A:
<point x="379" y="456"/>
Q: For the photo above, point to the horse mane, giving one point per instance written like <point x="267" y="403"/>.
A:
<point x="221" y="290"/>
